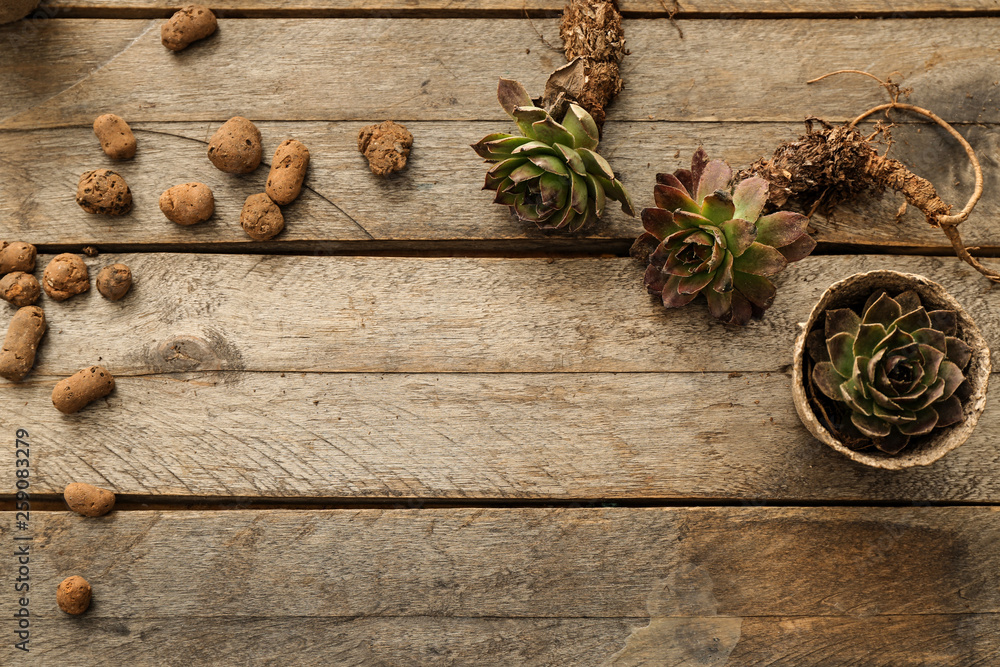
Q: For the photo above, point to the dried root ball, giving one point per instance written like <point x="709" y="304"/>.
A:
<point x="65" y="276"/>
<point x="20" y="288"/>
<point x="288" y="170"/>
<point x="235" y="147"/>
<point x="115" y="136"/>
<point x="21" y="344"/>
<point x="73" y="595"/>
<point x="81" y="389"/>
<point x="114" y="282"/>
<point x="17" y="256"/>
<point x="187" y="25"/>
<point x="89" y="500"/>
<point x="386" y="145"/>
<point x="105" y="192"/>
<point x="188" y="204"/>
<point x="261" y="218"/>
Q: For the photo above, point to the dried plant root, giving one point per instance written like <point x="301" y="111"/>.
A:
<point x="838" y="163"/>
<point x="592" y="31"/>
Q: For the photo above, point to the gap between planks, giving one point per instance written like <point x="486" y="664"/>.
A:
<point x="499" y="9"/>
<point x="52" y="502"/>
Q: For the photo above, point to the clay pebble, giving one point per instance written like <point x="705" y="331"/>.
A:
<point x="114" y="281"/>
<point x="115" y="136"/>
<point x="288" y="170"/>
<point x="73" y="595"/>
<point x="261" y="218"/>
<point x="188" y="24"/>
<point x="17" y="256"/>
<point x="20" y="289"/>
<point x="105" y="192"/>
<point x="188" y="203"/>
<point x="386" y="145"/>
<point x="235" y="147"/>
<point x="20" y="346"/>
<point x="88" y="500"/>
<point x="79" y="390"/>
<point x="65" y="276"/>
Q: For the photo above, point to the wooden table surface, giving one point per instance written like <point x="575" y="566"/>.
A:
<point x="413" y="431"/>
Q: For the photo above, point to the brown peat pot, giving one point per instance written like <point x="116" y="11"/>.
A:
<point x="852" y="292"/>
<point x="12" y="10"/>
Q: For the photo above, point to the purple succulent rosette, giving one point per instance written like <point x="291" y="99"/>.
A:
<point x="895" y="370"/>
<point x="706" y="237"/>
<point x="551" y="175"/>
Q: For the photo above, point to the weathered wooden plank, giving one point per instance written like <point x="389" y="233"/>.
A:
<point x="443" y="72"/>
<point x="393" y="314"/>
<point x="501" y="8"/>
<point x="879" y="641"/>
<point x="466" y="436"/>
<point x="438" y="198"/>
<point x="713" y="566"/>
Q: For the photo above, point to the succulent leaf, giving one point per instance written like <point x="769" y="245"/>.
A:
<point x="511" y="95"/>
<point x="760" y="259"/>
<point x="573" y="159"/>
<point x="781" y="228"/>
<point x="740" y="235"/>
<point x="550" y="132"/>
<point x="718" y="207"/>
<point x="716" y="176"/>
<point x="749" y="198"/>
<point x="582" y="126"/>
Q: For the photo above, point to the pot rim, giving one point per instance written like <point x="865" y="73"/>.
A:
<point x="977" y="372"/>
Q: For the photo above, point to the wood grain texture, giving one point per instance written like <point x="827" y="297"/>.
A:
<point x="438" y="197"/>
<point x="915" y="640"/>
<point x="391" y="314"/>
<point x="578" y="578"/>
<point x="498" y="8"/>
<point x="567" y="437"/>
<point x="430" y="69"/>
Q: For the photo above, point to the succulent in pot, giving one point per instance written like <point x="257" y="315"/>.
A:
<point x="890" y="370"/>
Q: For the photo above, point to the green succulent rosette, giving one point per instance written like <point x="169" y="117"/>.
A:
<point x="550" y="175"/>
<point x="894" y="371"/>
<point x="706" y="237"/>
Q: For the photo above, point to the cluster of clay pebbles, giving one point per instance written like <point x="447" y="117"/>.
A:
<point x="64" y="277"/>
<point x="235" y="148"/>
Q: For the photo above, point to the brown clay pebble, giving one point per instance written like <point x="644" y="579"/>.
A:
<point x="261" y="218"/>
<point x="189" y="24"/>
<point x="20" y="288"/>
<point x="88" y="500"/>
<point x="17" y="256"/>
<point x="79" y="390"/>
<point x="21" y="344"/>
<point x="386" y="145"/>
<point x="188" y="203"/>
<point x="115" y="136"/>
<point x="105" y="192"/>
<point x="114" y="281"/>
<point x="288" y="170"/>
<point x="65" y="276"/>
<point x="235" y="147"/>
<point x="73" y="595"/>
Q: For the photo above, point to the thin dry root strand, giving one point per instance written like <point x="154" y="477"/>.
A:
<point x="919" y="191"/>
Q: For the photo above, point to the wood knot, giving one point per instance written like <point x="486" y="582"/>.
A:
<point x="191" y="353"/>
